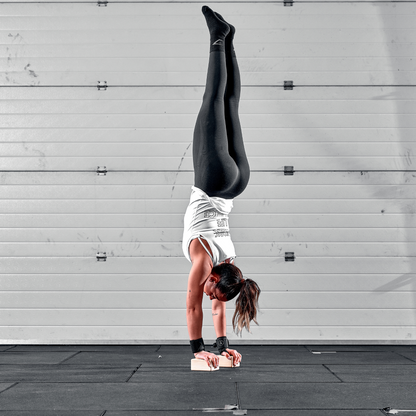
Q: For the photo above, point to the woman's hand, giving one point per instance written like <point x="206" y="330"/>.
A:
<point x="210" y="358"/>
<point x="235" y="354"/>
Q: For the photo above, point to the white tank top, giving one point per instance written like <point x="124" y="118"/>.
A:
<point x="207" y="217"/>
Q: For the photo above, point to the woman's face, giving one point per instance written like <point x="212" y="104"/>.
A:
<point x="210" y="289"/>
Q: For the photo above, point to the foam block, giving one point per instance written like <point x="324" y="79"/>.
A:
<point x="225" y="362"/>
<point x="201" y="365"/>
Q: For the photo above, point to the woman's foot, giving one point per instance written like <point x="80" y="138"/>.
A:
<point x="232" y="28"/>
<point x="218" y="29"/>
<point x="229" y="38"/>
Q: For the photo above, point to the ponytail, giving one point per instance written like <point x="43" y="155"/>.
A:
<point x="246" y="306"/>
<point x="231" y="283"/>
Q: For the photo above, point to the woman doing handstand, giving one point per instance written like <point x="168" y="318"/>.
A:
<point x="221" y="173"/>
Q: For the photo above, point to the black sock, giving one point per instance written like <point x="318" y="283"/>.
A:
<point x="229" y="47"/>
<point x="218" y="30"/>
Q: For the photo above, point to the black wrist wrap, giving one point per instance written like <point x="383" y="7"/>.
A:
<point x="197" y="345"/>
<point x="222" y="344"/>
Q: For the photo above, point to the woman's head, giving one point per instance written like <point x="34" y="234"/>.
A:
<point x="230" y="283"/>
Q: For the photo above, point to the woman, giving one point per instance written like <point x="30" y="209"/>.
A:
<point x="221" y="173"/>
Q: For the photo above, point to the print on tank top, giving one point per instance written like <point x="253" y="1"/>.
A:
<point x="221" y="223"/>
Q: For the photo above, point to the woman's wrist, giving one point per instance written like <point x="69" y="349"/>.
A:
<point x="197" y="345"/>
<point x="222" y="344"/>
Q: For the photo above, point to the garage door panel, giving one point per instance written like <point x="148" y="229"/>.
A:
<point x="174" y="249"/>
<point x="302" y="36"/>
<point x="190" y="36"/>
<point x="184" y="121"/>
<point x="403" y="162"/>
<point x="267" y="334"/>
<point x="293" y="282"/>
<point x="146" y="317"/>
<point x="150" y="265"/>
<point x="162" y="192"/>
<point x="251" y="134"/>
<point x="177" y="150"/>
<point x="94" y="235"/>
<point x="184" y="179"/>
<point x="142" y="101"/>
<point x="169" y="300"/>
<point x="146" y="221"/>
<point x="263" y="206"/>
<point x="155" y="99"/>
<point x="43" y="77"/>
<point x="145" y="16"/>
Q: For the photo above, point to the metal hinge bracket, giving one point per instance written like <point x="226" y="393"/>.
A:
<point x="288" y="85"/>
<point x="102" y="85"/>
<point x="289" y="170"/>
<point x="289" y="256"/>
<point x="101" y="170"/>
<point x="101" y="256"/>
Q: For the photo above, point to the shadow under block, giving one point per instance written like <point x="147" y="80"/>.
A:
<point x="200" y="365"/>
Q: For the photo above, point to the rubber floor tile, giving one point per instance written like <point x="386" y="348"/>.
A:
<point x="5" y="386"/>
<point x="240" y="348"/>
<point x="305" y="357"/>
<point x="62" y="374"/>
<point x="260" y="373"/>
<point x="117" y="396"/>
<point x="411" y="355"/>
<point x="98" y="348"/>
<point x="163" y="360"/>
<point x="249" y="413"/>
<point x="5" y="347"/>
<point x="33" y="357"/>
<point x="362" y="348"/>
<point x="327" y="395"/>
<point x="51" y="413"/>
<point x="178" y="349"/>
<point x="112" y="359"/>
<point x="192" y="413"/>
<point x="156" y="413"/>
<point x="175" y="356"/>
<point x="375" y="373"/>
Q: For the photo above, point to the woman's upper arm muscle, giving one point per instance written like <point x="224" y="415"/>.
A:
<point x="200" y="270"/>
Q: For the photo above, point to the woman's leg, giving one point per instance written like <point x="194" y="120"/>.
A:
<point x="216" y="171"/>
<point x="231" y="101"/>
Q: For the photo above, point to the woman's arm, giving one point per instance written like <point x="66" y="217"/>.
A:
<point x="220" y="325"/>
<point x="219" y="318"/>
<point x="201" y="268"/>
<point x="194" y="313"/>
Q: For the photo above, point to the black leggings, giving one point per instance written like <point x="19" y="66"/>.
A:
<point x="220" y="161"/>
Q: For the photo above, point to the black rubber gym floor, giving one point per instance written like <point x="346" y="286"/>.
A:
<point x="155" y="380"/>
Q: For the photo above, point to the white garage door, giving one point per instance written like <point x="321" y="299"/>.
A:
<point x="98" y="105"/>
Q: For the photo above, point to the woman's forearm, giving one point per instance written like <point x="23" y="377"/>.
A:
<point x="219" y="318"/>
<point x="194" y="318"/>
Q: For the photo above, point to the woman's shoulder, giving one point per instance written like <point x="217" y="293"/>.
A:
<point x="198" y="253"/>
